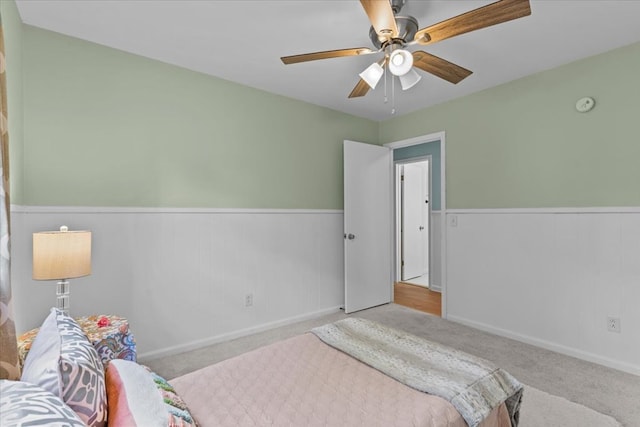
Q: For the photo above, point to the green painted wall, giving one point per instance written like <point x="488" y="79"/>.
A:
<point x="107" y="128"/>
<point x="12" y="30"/>
<point x="522" y="144"/>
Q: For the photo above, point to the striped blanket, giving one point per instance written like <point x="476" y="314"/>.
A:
<point x="473" y="385"/>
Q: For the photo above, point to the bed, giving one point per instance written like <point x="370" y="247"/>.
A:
<point x="304" y="382"/>
<point x="349" y="373"/>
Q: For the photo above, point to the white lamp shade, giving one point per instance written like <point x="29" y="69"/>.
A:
<point x="372" y="74"/>
<point x="61" y="254"/>
<point x="400" y="62"/>
<point x="410" y="79"/>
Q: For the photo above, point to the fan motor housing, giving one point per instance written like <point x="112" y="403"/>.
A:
<point x="396" y="5"/>
<point x="407" y="28"/>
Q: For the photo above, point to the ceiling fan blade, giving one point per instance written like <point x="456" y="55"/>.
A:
<point x="294" y="59"/>
<point x="486" y="16"/>
<point x="440" y="67"/>
<point x="381" y="16"/>
<point x="361" y="89"/>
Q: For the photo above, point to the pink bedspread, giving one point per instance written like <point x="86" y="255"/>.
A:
<point x="304" y="382"/>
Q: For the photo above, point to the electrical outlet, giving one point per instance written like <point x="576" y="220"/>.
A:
<point x="248" y="300"/>
<point x="613" y="324"/>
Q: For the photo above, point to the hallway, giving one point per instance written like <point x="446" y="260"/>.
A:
<point x="418" y="298"/>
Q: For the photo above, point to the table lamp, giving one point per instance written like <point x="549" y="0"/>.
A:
<point x="61" y="255"/>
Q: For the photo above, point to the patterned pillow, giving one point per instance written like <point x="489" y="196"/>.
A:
<point x="139" y="397"/>
<point x="63" y="362"/>
<point x="27" y="404"/>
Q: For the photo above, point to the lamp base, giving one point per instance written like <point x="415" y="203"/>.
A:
<point x="62" y="294"/>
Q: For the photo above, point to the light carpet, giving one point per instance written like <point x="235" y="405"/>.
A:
<point x="540" y="409"/>
<point x="578" y="389"/>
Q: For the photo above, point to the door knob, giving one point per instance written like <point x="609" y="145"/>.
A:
<point x="351" y="236"/>
<point x="421" y="228"/>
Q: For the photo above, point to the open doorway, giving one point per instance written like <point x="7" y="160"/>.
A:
<point x="414" y="220"/>
<point x="413" y="232"/>
<point x="428" y="292"/>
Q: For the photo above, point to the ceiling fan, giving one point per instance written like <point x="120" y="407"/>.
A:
<point x="391" y="33"/>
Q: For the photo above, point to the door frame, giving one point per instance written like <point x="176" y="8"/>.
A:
<point x="423" y="139"/>
<point x="398" y="213"/>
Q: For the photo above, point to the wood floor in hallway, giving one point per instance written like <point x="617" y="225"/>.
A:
<point x="418" y="298"/>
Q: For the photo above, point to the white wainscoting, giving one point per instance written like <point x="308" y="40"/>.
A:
<point x="550" y="278"/>
<point x="180" y="276"/>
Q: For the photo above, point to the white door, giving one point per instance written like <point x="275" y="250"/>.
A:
<point x="367" y="226"/>
<point x="413" y="226"/>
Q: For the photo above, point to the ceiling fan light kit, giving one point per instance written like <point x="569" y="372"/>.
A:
<point x="409" y="80"/>
<point x="391" y="33"/>
<point x="400" y="62"/>
<point x="372" y="74"/>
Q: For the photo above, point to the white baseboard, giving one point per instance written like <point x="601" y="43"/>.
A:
<point x="193" y="345"/>
<point x="584" y="355"/>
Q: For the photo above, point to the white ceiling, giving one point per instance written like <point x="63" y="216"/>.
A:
<point x="242" y="41"/>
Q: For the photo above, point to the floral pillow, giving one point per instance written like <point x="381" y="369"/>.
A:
<point x="63" y="362"/>
<point x="140" y="397"/>
<point x="23" y="404"/>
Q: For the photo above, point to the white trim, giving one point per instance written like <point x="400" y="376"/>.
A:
<point x="435" y="288"/>
<point x="181" y="348"/>
<point x="155" y="210"/>
<point x="392" y="172"/>
<point x="559" y="210"/>
<point x="396" y="268"/>
<point x="162" y="210"/>
<point x="424" y="139"/>
<point x="443" y="226"/>
<point x="584" y="355"/>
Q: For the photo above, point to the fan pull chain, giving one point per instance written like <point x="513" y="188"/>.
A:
<point x="385" y="84"/>
<point x="393" y="95"/>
